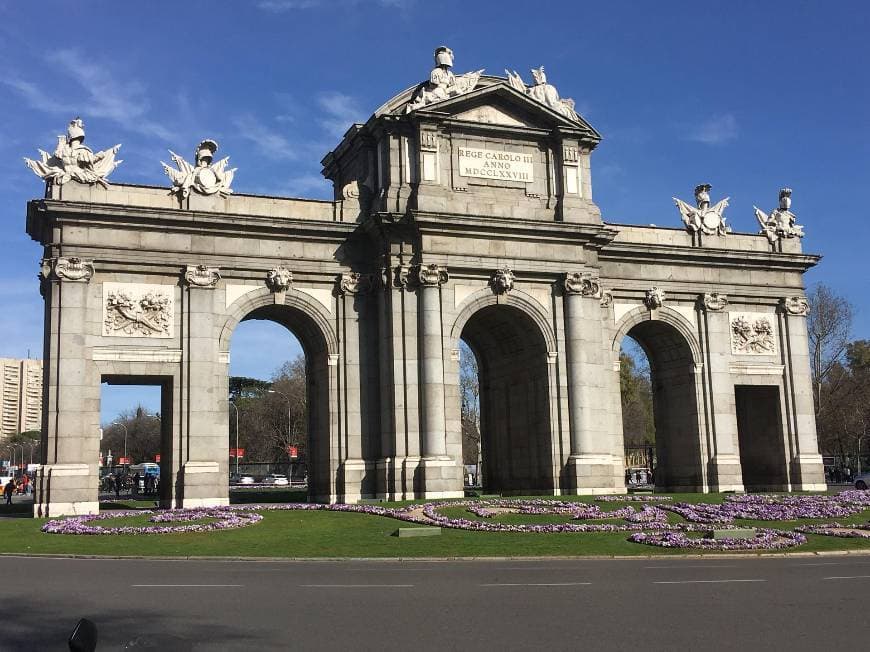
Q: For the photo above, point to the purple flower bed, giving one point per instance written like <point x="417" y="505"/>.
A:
<point x="764" y="540"/>
<point x="224" y="519"/>
<point x="629" y="498"/>
<point x="845" y="531"/>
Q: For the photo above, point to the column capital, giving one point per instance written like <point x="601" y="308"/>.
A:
<point x="797" y="305"/>
<point x="66" y="269"/>
<point x="584" y="284"/>
<point x="202" y="276"/>
<point x="356" y="283"/>
<point x="432" y="275"/>
<point x="714" y="301"/>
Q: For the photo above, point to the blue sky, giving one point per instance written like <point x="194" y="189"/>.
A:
<point x="747" y="96"/>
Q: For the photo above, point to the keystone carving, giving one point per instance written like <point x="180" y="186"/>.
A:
<point x="279" y="279"/>
<point x="655" y="298"/>
<point x="432" y="275"/>
<point x="706" y="219"/>
<point x="204" y="177"/>
<point x="72" y="159"/>
<point x="582" y="283"/>
<point x="356" y="283"/>
<point x="752" y="333"/>
<point x="715" y="301"/>
<point x="502" y="280"/>
<point x="202" y="276"/>
<point x="796" y="305"/>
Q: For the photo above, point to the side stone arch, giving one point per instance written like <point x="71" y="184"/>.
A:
<point x="310" y="323"/>
<point x="675" y="358"/>
<point x="263" y="298"/>
<point x="664" y="314"/>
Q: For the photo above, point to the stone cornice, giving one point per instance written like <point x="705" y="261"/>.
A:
<point x="664" y="254"/>
<point x="42" y="212"/>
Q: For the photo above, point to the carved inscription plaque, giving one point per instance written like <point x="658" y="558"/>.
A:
<point x="496" y="164"/>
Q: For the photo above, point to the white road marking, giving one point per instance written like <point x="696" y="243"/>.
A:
<point x="198" y="586"/>
<point x="707" y="581"/>
<point x="680" y="566"/>
<point x="356" y="586"/>
<point x="849" y="577"/>
<point x="541" y="584"/>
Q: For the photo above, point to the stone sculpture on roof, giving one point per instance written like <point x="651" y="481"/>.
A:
<point x="543" y="92"/>
<point x="443" y="83"/>
<point x="72" y="159"/>
<point x="781" y="223"/>
<point x="204" y="177"/>
<point x="706" y="219"/>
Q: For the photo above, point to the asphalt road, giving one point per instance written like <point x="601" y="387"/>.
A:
<point x="806" y="603"/>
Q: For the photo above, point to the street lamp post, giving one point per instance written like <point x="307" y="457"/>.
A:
<point x="289" y="420"/>
<point x="118" y="423"/>
<point x="236" y="408"/>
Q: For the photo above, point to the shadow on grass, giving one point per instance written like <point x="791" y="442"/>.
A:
<point x="248" y="496"/>
<point x="17" y="510"/>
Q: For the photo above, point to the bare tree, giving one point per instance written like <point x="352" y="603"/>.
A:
<point x="829" y="324"/>
<point x="469" y="392"/>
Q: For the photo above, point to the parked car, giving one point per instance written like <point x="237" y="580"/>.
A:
<point x="277" y="479"/>
<point x="862" y="481"/>
<point x="241" y="479"/>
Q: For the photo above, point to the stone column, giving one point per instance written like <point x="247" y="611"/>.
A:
<point x="724" y="471"/>
<point x="441" y="476"/>
<point x="591" y="464"/>
<point x="204" y="459"/>
<point x="807" y="469"/>
<point x="66" y="482"/>
<point x="433" y="422"/>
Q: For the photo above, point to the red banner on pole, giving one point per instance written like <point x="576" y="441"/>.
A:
<point x="237" y="452"/>
<point x="157" y="458"/>
<point x="293" y="451"/>
<point x="123" y="460"/>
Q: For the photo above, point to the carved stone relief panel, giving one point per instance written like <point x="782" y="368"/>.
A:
<point x="138" y="310"/>
<point x="753" y="333"/>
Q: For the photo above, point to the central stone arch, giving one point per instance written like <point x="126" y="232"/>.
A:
<point x="515" y="348"/>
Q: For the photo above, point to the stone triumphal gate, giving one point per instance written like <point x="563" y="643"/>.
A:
<point x="463" y="210"/>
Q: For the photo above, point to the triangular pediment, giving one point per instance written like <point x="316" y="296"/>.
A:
<point x="499" y="104"/>
<point x="489" y="114"/>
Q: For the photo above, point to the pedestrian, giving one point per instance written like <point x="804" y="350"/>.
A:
<point x="118" y="486"/>
<point x="8" y="490"/>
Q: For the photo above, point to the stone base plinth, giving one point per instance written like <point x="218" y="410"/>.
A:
<point x="65" y="490"/>
<point x="441" y="478"/>
<point x="595" y="475"/>
<point x="354" y="476"/>
<point x="201" y="484"/>
<point x="808" y="473"/>
<point x="725" y="474"/>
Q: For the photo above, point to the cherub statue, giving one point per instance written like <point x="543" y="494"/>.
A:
<point x="204" y="177"/>
<point x="543" y="92"/>
<point x="781" y="223"/>
<point x="72" y="159"/>
<point x="703" y="218"/>
<point x="443" y="83"/>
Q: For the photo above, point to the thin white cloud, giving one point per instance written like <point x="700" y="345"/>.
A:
<point x="341" y="112"/>
<point x="269" y="143"/>
<point x="281" y="6"/>
<point x="716" y="130"/>
<point x="307" y="184"/>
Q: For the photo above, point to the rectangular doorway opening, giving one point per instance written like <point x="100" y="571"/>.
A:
<point x="136" y="442"/>
<point x="759" y="432"/>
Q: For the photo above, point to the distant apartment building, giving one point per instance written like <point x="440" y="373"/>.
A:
<point x="21" y="392"/>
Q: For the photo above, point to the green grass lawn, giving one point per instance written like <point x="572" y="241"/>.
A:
<point x="331" y="534"/>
